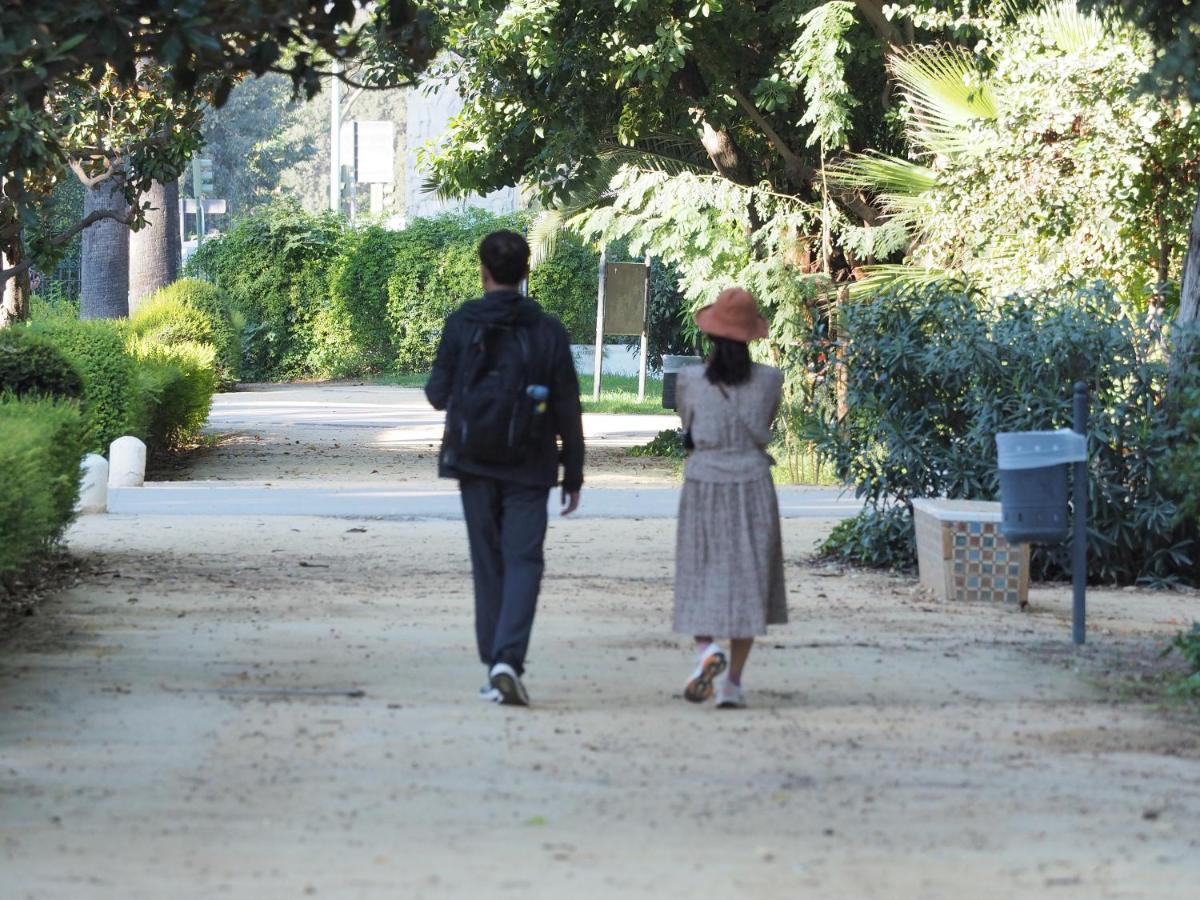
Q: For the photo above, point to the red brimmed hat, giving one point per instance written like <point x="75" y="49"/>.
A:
<point x="735" y="316"/>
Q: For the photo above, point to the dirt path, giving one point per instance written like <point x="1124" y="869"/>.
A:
<point x="274" y="706"/>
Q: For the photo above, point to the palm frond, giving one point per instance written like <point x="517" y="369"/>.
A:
<point x="946" y="92"/>
<point x="902" y="190"/>
<point x="883" y="175"/>
<point x="663" y="154"/>
<point x="882" y="278"/>
<point x="1069" y="29"/>
<point x="443" y="193"/>
<point x="543" y="235"/>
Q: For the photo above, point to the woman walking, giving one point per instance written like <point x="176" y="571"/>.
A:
<point x="729" y="552"/>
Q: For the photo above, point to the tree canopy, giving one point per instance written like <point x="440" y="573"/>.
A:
<point x="54" y="52"/>
<point x="752" y="91"/>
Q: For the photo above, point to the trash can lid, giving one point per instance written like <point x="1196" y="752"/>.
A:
<point x="1036" y="449"/>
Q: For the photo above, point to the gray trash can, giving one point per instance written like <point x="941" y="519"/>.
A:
<point x="672" y="365"/>
<point x="1033" y="483"/>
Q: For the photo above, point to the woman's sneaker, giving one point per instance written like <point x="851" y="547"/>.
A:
<point x="700" y="686"/>
<point x="730" y="696"/>
<point x="487" y="692"/>
<point x="505" y="680"/>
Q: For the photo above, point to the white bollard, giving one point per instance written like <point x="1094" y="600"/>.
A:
<point x="93" y="487"/>
<point x="126" y="462"/>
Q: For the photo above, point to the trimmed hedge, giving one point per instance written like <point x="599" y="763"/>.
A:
<point x="321" y="300"/>
<point x="194" y="311"/>
<point x="96" y="347"/>
<point x="266" y="264"/>
<point x="156" y="385"/>
<point x="31" y="366"/>
<point x="175" y="383"/>
<point x="357" y="314"/>
<point x="40" y="451"/>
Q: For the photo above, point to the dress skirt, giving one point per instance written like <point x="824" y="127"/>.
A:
<point x="729" y="559"/>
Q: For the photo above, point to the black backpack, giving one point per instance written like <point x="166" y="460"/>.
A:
<point x="492" y="419"/>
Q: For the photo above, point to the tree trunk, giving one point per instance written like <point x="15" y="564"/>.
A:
<point x="154" y="250"/>
<point x="14" y="291"/>
<point x="1189" y="290"/>
<point x="104" y="268"/>
<point x="15" y="306"/>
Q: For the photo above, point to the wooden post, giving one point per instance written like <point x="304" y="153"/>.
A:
<point x="598" y="364"/>
<point x="645" y="338"/>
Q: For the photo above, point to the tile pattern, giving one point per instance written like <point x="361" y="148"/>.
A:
<point x="984" y="566"/>
<point x="961" y="559"/>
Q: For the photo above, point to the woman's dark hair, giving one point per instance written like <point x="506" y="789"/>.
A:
<point x="506" y="255"/>
<point x="728" y="362"/>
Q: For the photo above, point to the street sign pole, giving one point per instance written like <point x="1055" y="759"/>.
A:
<point x="598" y="364"/>
<point x="335" y="139"/>
<point x="645" y="346"/>
<point x="1079" y="549"/>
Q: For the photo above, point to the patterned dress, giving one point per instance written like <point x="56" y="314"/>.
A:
<point x="729" y="552"/>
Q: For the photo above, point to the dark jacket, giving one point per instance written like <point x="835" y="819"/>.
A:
<point x="553" y="367"/>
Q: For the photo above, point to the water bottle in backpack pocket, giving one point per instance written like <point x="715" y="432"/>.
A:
<point x="497" y="416"/>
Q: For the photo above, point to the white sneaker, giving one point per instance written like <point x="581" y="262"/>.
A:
<point x="507" y="683"/>
<point x="487" y="692"/>
<point x="700" y="686"/>
<point x="730" y="696"/>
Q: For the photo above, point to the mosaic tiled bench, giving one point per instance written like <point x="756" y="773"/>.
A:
<point x="962" y="555"/>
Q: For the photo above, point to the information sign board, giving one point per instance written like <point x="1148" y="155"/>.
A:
<point x="624" y="298"/>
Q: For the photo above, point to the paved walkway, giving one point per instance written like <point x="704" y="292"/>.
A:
<point x="252" y="703"/>
<point x="434" y="502"/>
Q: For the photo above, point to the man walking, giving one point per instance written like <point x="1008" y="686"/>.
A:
<point x="505" y="376"/>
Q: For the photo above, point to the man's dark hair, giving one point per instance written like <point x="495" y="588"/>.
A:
<point x="506" y="255"/>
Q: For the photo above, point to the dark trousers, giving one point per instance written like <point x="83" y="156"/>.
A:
<point x="506" y="526"/>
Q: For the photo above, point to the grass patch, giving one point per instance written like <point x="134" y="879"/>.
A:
<point x="393" y="380"/>
<point x="618" y="394"/>
<point x="799" y="463"/>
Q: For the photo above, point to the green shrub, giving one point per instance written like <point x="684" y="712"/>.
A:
<point x="196" y="311"/>
<point x="32" y="366"/>
<point x="52" y="306"/>
<point x="667" y="444"/>
<point x="175" y="383"/>
<point x="1185" y="459"/>
<point x="1187" y="645"/>
<point x="933" y="374"/>
<point x="96" y="347"/>
<point x="318" y="300"/>
<point x="356" y="316"/>
<point x="168" y="320"/>
<point x="436" y="269"/>
<point x="566" y="284"/>
<point x="258" y="263"/>
<point x="40" y="451"/>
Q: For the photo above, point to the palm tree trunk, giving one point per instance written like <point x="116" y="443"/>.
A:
<point x="154" y="249"/>
<point x="104" y="267"/>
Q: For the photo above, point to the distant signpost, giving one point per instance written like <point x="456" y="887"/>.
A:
<point x="370" y="147"/>
<point x="203" y="204"/>
<point x="621" y="307"/>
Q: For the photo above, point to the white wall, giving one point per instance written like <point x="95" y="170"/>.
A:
<point x="618" y="359"/>
<point x="429" y="114"/>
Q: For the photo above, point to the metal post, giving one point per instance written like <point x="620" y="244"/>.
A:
<point x="1079" y="550"/>
<point x="645" y="347"/>
<point x="598" y="364"/>
<point x="335" y="139"/>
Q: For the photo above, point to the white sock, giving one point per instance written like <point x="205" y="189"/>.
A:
<point x="709" y="650"/>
